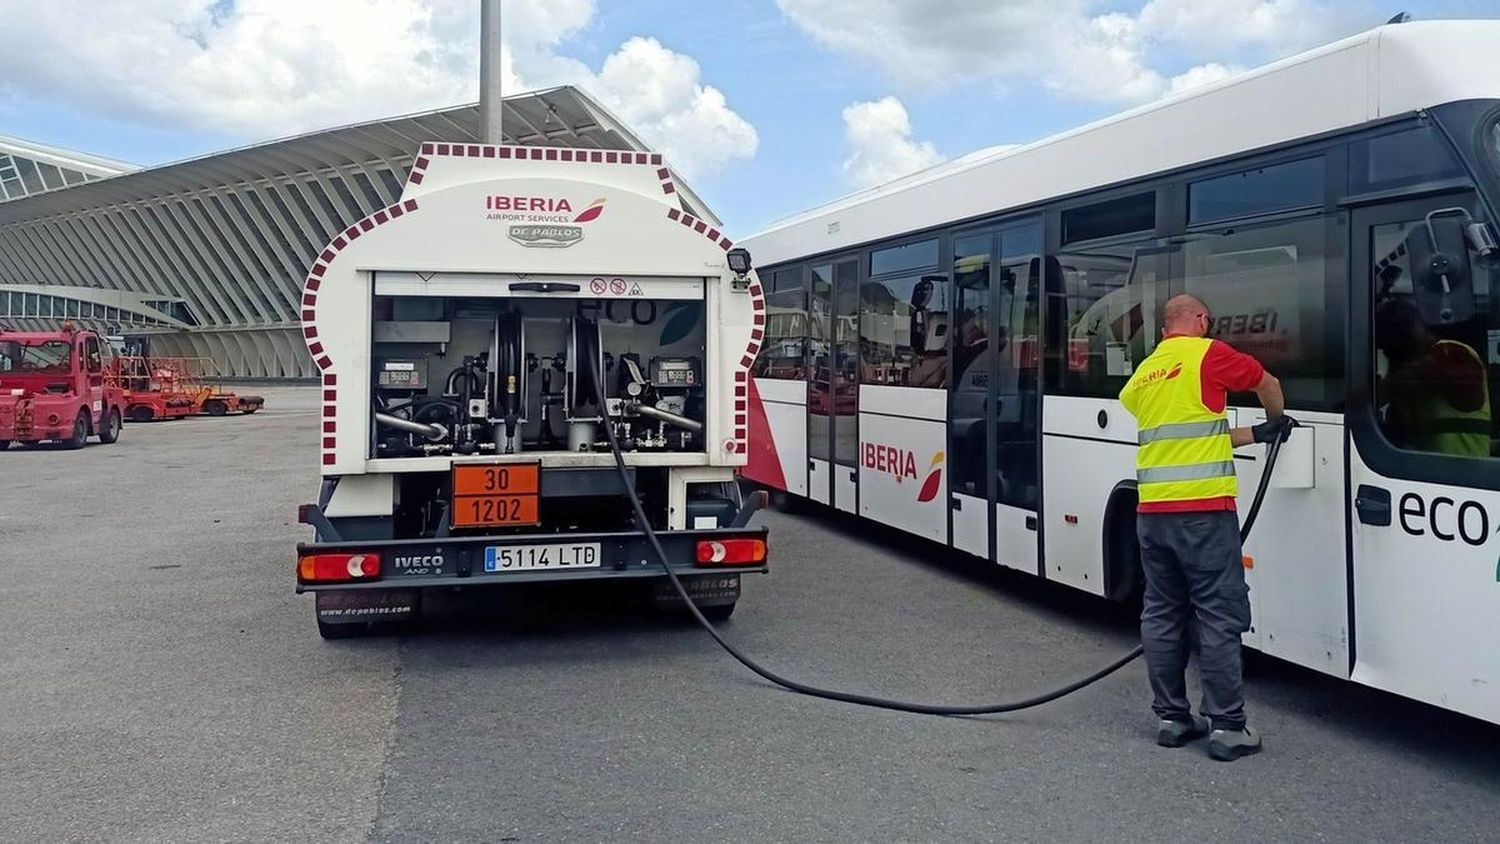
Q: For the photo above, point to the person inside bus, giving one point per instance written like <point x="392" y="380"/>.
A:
<point x="1187" y="523"/>
<point x="1435" y="392"/>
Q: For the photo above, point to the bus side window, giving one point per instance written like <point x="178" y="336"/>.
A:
<point x="1433" y="384"/>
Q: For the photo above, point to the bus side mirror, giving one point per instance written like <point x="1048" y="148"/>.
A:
<point x="1438" y="252"/>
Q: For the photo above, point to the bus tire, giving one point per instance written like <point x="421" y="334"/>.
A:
<point x="1124" y="579"/>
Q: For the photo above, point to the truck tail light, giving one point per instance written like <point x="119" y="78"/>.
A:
<point x="731" y="552"/>
<point x="337" y="568"/>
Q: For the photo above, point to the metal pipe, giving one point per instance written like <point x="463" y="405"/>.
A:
<point x="432" y="431"/>
<point x="666" y="416"/>
<point x="491" y="73"/>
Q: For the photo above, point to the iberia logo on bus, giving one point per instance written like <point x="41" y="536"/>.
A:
<point x="902" y="464"/>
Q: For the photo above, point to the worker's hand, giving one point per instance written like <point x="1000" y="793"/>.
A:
<point x="1277" y="427"/>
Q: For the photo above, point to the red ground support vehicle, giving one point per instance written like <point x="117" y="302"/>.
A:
<point x="52" y="387"/>
<point x="152" y="389"/>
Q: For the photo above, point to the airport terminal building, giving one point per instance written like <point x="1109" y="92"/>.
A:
<point x="207" y="256"/>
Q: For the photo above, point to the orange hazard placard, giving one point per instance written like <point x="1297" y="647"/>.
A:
<point x="496" y="494"/>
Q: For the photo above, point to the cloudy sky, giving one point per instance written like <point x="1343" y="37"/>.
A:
<point x="767" y="106"/>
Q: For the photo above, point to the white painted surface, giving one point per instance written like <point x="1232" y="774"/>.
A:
<point x="499" y="285"/>
<point x="1426" y="610"/>
<point x="912" y="402"/>
<point x="788" y="424"/>
<point x="818" y="472"/>
<point x="900" y="460"/>
<point x="1298" y="583"/>
<point x="1015" y="544"/>
<point x="362" y="495"/>
<point x="845" y="487"/>
<point x="971" y="531"/>
<point x="783" y="390"/>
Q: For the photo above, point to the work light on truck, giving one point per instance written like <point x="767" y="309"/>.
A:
<point x="337" y="568"/>
<point x="731" y="552"/>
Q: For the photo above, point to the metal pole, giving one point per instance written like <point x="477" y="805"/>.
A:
<point x="491" y="72"/>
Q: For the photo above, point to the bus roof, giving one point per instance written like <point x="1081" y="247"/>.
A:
<point x="1387" y="71"/>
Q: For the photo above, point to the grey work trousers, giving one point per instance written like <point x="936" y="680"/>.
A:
<point x="1193" y="568"/>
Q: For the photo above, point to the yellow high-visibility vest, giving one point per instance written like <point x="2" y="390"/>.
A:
<point x="1185" y="453"/>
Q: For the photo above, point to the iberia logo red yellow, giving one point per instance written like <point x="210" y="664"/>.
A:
<point x="902" y="463"/>
<point x="1161" y="375"/>
<point x="590" y="213"/>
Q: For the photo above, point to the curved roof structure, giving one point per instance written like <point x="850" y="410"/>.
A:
<point x="222" y="243"/>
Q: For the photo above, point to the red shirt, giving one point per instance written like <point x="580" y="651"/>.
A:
<point x="1223" y="371"/>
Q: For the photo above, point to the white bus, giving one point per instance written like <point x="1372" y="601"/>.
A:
<point x="969" y="327"/>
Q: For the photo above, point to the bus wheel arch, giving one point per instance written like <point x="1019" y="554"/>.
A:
<point x="1124" y="580"/>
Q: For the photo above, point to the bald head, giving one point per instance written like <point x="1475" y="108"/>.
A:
<point x="1186" y="314"/>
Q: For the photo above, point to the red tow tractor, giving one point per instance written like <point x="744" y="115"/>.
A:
<point x="53" y="387"/>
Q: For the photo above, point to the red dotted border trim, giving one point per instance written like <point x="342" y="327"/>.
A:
<point x="739" y="443"/>
<point x="430" y="149"/>
<point x="310" y="313"/>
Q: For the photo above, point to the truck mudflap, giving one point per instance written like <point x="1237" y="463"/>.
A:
<point x="413" y="564"/>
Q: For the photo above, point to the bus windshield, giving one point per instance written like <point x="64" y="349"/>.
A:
<point x="51" y="356"/>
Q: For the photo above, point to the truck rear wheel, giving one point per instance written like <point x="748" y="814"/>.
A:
<point x="215" y="407"/>
<point x="4" y="444"/>
<point x="80" y="434"/>
<point x="111" y="430"/>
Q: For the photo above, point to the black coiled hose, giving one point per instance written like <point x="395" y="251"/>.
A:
<point x="863" y="699"/>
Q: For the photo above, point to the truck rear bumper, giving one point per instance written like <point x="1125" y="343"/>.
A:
<point x="497" y="560"/>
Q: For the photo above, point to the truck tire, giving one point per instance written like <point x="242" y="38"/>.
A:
<point x="80" y="434"/>
<point x="350" y="630"/>
<point x="722" y="612"/>
<point x="141" y="413"/>
<point x="4" y="444"/>
<point x="215" y="407"/>
<point x="110" y="432"/>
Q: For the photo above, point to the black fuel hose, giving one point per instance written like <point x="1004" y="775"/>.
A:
<point x="863" y="699"/>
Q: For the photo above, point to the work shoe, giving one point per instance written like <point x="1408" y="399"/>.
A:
<point x="1173" y="733"/>
<point x="1229" y="745"/>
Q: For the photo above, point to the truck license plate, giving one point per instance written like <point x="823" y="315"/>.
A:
<point x="566" y="555"/>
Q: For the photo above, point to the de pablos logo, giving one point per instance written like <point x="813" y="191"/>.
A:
<point x="542" y="221"/>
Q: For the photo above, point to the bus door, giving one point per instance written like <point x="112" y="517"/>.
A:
<point x="993" y="400"/>
<point x="1424" y="478"/>
<point x="833" y="384"/>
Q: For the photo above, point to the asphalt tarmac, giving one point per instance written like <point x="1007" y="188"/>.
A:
<point x="160" y="681"/>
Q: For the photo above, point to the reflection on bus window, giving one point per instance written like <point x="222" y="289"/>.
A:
<point x="904" y="331"/>
<point x="1432" y="383"/>
<point x="1109" y="299"/>
<point x="782" y="351"/>
<point x="1266" y="286"/>
<point x="973" y="349"/>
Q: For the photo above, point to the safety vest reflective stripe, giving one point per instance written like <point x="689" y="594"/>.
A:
<point x="1183" y="431"/>
<point x="1193" y="472"/>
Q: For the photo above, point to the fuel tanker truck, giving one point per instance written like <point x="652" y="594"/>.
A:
<point x="486" y="343"/>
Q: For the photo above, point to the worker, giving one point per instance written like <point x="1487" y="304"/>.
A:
<point x="1435" y="390"/>
<point x="1187" y="524"/>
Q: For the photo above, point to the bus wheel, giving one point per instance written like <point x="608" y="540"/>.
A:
<point x="1124" y="580"/>
<point x="111" y="430"/>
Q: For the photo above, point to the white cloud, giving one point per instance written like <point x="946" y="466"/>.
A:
<point x="259" y="69"/>
<point x="1066" y="45"/>
<point x="880" y="144"/>
<point x="1202" y="74"/>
